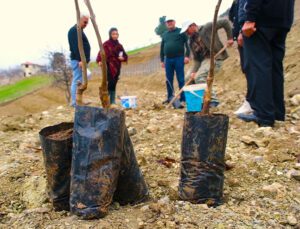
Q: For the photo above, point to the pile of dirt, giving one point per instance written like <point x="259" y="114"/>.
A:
<point x="61" y="135"/>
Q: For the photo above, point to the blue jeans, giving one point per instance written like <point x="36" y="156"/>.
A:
<point x="77" y="75"/>
<point x="173" y="65"/>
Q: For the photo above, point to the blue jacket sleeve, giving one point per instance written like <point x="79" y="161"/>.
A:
<point x="242" y="12"/>
<point x="252" y="8"/>
<point x="162" y="53"/>
<point x="73" y="42"/>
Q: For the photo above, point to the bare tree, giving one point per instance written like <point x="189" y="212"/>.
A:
<point x="61" y="72"/>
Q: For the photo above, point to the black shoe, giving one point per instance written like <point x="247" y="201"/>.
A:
<point x="167" y="101"/>
<point x="214" y="104"/>
<point x="265" y="125"/>
<point x="177" y="104"/>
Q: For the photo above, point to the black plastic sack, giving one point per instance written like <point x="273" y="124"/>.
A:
<point x="56" y="143"/>
<point x="202" y="158"/>
<point x="132" y="188"/>
<point x="97" y="151"/>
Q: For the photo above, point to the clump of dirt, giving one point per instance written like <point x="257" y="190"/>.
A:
<point x="61" y="135"/>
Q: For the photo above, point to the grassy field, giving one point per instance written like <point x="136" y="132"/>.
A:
<point x="135" y="51"/>
<point x="23" y="87"/>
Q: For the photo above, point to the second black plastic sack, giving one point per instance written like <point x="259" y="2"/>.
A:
<point x="97" y="150"/>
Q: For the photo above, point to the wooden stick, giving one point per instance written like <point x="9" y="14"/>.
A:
<point x="191" y="79"/>
<point x="180" y="91"/>
<point x="210" y="78"/>
<point x="103" y="91"/>
<point x="81" y="87"/>
<point x="221" y="51"/>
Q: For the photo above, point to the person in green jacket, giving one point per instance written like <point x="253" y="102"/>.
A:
<point x="174" y="54"/>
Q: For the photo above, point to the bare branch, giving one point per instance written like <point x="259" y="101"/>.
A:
<point x="81" y="87"/>
<point x="210" y="78"/>
<point x="103" y="91"/>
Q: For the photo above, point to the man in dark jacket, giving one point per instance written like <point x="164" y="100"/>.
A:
<point x="199" y="42"/>
<point x="237" y="17"/>
<point x="76" y="63"/>
<point x="265" y="30"/>
<point x="174" y="53"/>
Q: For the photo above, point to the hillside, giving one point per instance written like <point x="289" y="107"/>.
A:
<point x="259" y="191"/>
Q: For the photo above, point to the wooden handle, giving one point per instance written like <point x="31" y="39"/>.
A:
<point x="179" y="93"/>
<point x="191" y="79"/>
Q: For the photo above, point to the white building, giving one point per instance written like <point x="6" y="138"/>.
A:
<point x="30" y="69"/>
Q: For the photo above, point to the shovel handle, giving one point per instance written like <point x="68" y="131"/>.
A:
<point x="221" y="51"/>
<point x="180" y="91"/>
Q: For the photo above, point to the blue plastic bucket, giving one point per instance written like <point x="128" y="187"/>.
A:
<point x="194" y="97"/>
<point x="128" y="102"/>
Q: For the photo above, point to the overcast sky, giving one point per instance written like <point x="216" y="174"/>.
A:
<point x="31" y="28"/>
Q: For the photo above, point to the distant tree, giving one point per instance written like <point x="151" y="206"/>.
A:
<point x="161" y="28"/>
<point x="61" y="72"/>
<point x="13" y="72"/>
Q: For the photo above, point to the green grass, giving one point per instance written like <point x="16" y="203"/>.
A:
<point x="135" y="51"/>
<point x="23" y="87"/>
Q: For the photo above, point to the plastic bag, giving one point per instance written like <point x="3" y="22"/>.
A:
<point x="97" y="151"/>
<point x="202" y="158"/>
<point x="56" y="143"/>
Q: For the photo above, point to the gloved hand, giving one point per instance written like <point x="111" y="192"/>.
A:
<point x="249" y="28"/>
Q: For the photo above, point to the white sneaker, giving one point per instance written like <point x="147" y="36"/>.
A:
<point x="244" y="109"/>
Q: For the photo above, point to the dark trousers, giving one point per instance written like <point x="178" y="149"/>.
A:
<point x="112" y="81"/>
<point x="241" y="52"/>
<point x="263" y="56"/>
<point x="242" y="60"/>
<point x="173" y="65"/>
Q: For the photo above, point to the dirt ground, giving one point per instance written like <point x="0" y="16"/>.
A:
<point x="259" y="191"/>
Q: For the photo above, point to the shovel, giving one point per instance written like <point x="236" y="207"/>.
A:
<point x="191" y="79"/>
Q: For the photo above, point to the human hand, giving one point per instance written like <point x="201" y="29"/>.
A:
<point x="240" y="40"/>
<point x="162" y="64"/>
<point x="249" y="28"/>
<point x="186" y="60"/>
<point x="100" y="64"/>
<point x="193" y="75"/>
<point x="230" y="42"/>
<point x="80" y="64"/>
<point x="121" y="58"/>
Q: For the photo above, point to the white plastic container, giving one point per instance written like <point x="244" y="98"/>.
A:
<point x="129" y="101"/>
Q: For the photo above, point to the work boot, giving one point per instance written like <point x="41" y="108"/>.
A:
<point x="112" y="96"/>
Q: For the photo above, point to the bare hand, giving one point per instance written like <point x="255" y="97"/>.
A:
<point x="240" y="40"/>
<point x="186" y="60"/>
<point x="249" y="29"/>
<point x="80" y="64"/>
<point x="230" y="42"/>
<point x="121" y="58"/>
<point x="162" y="64"/>
<point x="193" y="75"/>
<point x="100" y="64"/>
